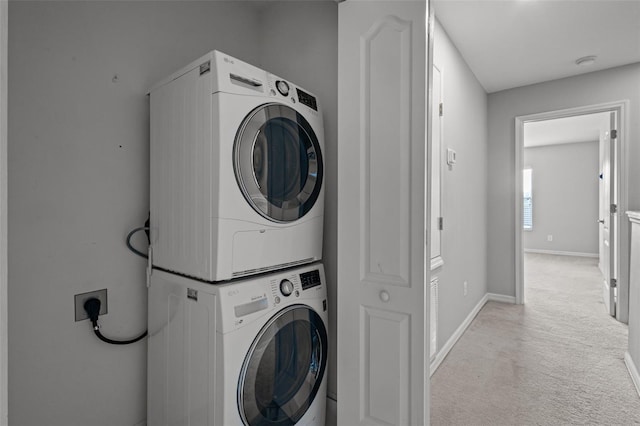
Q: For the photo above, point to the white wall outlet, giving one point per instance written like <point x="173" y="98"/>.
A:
<point x="465" y="288"/>
<point x="549" y="237"/>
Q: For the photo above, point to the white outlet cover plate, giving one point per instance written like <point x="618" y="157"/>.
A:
<point x="451" y="156"/>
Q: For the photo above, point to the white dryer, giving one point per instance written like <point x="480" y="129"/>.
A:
<point x="252" y="352"/>
<point x="236" y="171"/>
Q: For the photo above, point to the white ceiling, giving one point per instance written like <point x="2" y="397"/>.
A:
<point x="512" y="43"/>
<point x="581" y="128"/>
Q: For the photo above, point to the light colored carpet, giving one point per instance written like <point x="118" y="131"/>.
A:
<point x="557" y="360"/>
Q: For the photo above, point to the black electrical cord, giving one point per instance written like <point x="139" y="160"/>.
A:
<point x="131" y="247"/>
<point x="92" y="307"/>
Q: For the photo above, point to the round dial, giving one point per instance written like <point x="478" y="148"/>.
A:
<point x="282" y="87"/>
<point x="286" y="287"/>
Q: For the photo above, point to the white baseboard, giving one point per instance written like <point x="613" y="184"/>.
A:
<point x="563" y="253"/>
<point x="332" y="412"/>
<point x="444" y="351"/>
<point x="633" y="371"/>
<point x="501" y="298"/>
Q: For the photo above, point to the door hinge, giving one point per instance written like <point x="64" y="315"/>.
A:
<point x="440" y="223"/>
<point x="441" y="109"/>
<point x="614" y="134"/>
<point x="613" y="208"/>
<point x="613" y="283"/>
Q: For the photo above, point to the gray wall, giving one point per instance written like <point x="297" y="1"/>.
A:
<point x="78" y="177"/>
<point x="314" y="66"/>
<point x="464" y="189"/>
<point x="565" y="197"/>
<point x="587" y="89"/>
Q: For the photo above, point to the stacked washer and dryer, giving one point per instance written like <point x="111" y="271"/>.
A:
<point x="237" y="296"/>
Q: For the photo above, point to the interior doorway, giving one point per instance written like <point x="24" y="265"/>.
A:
<point x="565" y="177"/>
<point x="570" y="192"/>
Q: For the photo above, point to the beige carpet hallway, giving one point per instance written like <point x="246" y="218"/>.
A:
<point x="557" y="360"/>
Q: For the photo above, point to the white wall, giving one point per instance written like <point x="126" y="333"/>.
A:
<point x="587" y="89"/>
<point x="78" y="179"/>
<point x="464" y="189"/>
<point x="565" y="197"/>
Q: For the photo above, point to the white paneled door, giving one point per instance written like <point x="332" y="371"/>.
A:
<point x="383" y="358"/>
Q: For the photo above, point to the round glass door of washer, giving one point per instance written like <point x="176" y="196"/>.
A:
<point x="284" y="368"/>
<point x="278" y="162"/>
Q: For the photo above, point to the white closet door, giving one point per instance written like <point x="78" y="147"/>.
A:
<point x="383" y="331"/>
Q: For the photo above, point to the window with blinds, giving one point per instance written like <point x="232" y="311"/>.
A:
<point x="527" y="199"/>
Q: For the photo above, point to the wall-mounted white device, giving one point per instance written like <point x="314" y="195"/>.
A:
<point x="451" y="157"/>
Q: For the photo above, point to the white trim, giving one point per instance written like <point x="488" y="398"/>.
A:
<point x="622" y="108"/>
<point x="494" y="297"/>
<point x="633" y="371"/>
<point x="563" y="253"/>
<point x="444" y="351"/>
<point x="634" y="216"/>
<point x="519" y="164"/>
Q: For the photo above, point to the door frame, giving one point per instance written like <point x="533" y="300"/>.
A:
<point x="621" y="160"/>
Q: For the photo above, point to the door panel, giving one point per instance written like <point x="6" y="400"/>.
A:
<point x="386" y="336"/>
<point x="385" y="51"/>
<point x="382" y="278"/>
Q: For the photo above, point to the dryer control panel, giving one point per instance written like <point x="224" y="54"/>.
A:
<point x="306" y="99"/>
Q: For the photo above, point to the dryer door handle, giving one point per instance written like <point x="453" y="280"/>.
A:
<point x="246" y="80"/>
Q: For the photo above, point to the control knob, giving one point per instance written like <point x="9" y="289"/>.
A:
<point x="286" y="287"/>
<point x="282" y="87"/>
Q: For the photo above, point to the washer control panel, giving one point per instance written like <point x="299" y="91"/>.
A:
<point x="250" y="299"/>
<point x="291" y="287"/>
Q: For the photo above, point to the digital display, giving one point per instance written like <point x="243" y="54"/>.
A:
<point x="307" y="99"/>
<point x="310" y="279"/>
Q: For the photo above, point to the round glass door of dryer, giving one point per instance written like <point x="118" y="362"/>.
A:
<point x="284" y="368"/>
<point x="278" y="162"/>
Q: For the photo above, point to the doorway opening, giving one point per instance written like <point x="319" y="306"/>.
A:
<point x="571" y="182"/>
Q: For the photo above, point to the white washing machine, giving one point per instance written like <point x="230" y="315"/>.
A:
<point x="236" y="171"/>
<point x="252" y="352"/>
